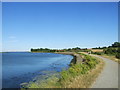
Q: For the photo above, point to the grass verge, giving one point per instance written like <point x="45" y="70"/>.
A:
<point x="111" y="57"/>
<point x="81" y="75"/>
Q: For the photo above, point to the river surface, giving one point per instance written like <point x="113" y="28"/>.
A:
<point x="20" y="67"/>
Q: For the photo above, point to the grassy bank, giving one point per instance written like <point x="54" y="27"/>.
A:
<point x="111" y="57"/>
<point x="80" y="75"/>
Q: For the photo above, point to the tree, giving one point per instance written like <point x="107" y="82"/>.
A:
<point x="32" y="49"/>
<point x="116" y="44"/>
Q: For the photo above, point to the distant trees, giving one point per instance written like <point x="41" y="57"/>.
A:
<point x="43" y="50"/>
<point x="55" y="50"/>
<point x="99" y="48"/>
<point x="114" y="49"/>
<point x="116" y="44"/>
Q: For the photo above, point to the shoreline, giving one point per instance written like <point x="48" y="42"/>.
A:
<point x="71" y="78"/>
<point x="72" y="62"/>
<point x="76" y="57"/>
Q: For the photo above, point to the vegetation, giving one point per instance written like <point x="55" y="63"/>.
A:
<point x="77" y="49"/>
<point x="78" y="69"/>
<point x="98" y="53"/>
<point x="42" y="50"/>
<point x="115" y="45"/>
<point x="99" y="48"/>
<point x="58" y="50"/>
<point x="118" y="55"/>
<point x="68" y="76"/>
<point x="113" y="50"/>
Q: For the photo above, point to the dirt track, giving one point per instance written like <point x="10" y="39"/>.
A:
<point x="109" y="76"/>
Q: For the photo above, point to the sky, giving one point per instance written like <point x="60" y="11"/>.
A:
<point x="59" y="25"/>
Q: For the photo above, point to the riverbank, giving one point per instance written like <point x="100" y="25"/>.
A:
<point x="79" y="75"/>
<point x="76" y="57"/>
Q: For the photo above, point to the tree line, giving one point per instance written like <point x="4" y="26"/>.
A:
<point x="76" y="49"/>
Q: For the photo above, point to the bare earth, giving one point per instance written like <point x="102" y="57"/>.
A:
<point x="109" y="76"/>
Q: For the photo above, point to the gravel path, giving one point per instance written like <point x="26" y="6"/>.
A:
<point x="109" y="76"/>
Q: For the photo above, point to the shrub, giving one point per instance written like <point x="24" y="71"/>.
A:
<point x="98" y="53"/>
<point x="112" y="51"/>
<point x="118" y="55"/>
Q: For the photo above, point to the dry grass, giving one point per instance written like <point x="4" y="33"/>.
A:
<point x="97" y="50"/>
<point x="111" y="58"/>
<point x="86" y="80"/>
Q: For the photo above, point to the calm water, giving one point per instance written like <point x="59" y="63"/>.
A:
<point x="19" y="67"/>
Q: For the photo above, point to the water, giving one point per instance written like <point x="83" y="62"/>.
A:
<point x="20" y="67"/>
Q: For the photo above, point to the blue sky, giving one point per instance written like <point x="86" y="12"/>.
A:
<point x="59" y="25"/>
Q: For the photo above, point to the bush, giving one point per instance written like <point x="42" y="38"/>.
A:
<point x="112" y="51"/>
<point x="118" y="55"/>
<point x="98" y="53"/>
